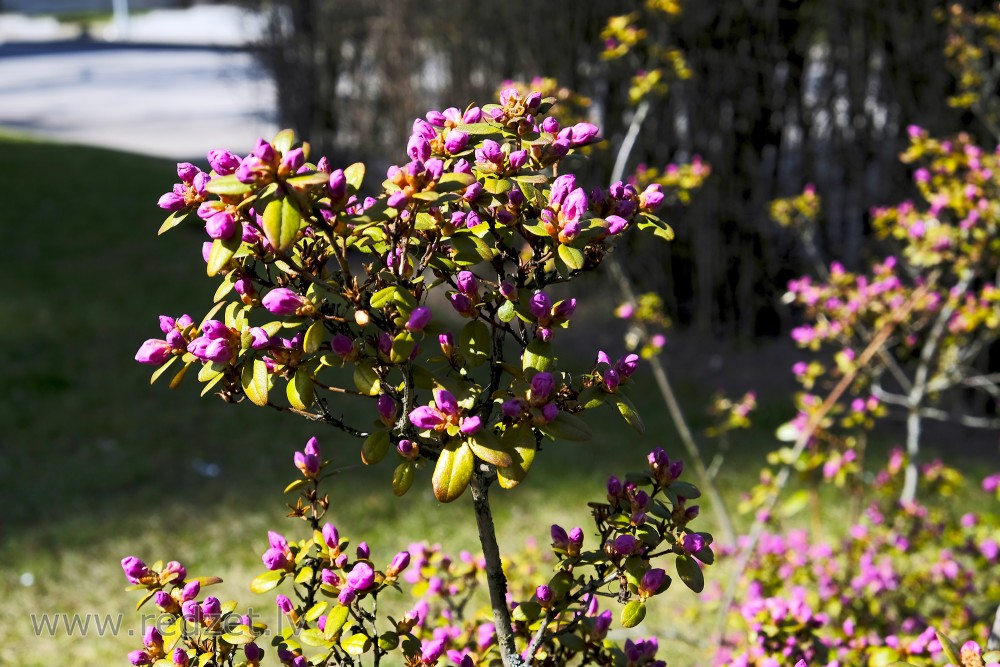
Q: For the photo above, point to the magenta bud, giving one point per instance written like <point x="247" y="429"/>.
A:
<point x="331" y="536"/>
<point x="418" y="148"/>
<point x="284" y="604"/>
<point x="223" y="162"/>
<point x="397" y="200"/>
<point x="461" y="303"/>
<point x="470" y="425"/>
<point x="399" y="563"/>
<point x="338" y="185"/>
<point x="252" y="652"/>
<point x="180" y="657"/>
<point x="191" y="611"/>
<point x="294" y="159"/>
<point x="518" y="159"/>
<point x="540" y="305"/>
<point x="171" y="202"/>
<point x="549" y="412"/>
<point x="455" y="141"/>
<point x="602" y="623"/>
<point x="361" y="577"/>
<point x="264" y="151"/>
<point x="544" y="596"/>
<point x="408" y="449"/>
<point x="163" y="600"/>
<point x="513" y="408"/>
<point x="625" y="545"/>
<point x="693" y="543"/>
<point x="576" y="538"/>
<point x="259" y="338"/>
<point x="560" y="540"/>
<point x="611" y="379"/>
<point x="675" y="468"/>
<point x="329" y="577"/>
<point x="467" y="283"/>
<point x="616" y="224"/>
<point x="532" y="101"/>
<point x="152" y="637"/>
<point x="542" y="385"/>
<point x="508" y="291"/>
<point x="363" y="551"/>
<point x="187" y="171"/>
<point x="309" y="465"/>
<point x="515" y="197"/>
<point x="347" y="595"/>
<point x="652" y="581"/>
<point x="282" y="301"/>
<point x="692" y="512"/>
<point x="342" y="345"/>
<point x="584" y="133"/>
<point x="154" y="352"/>
<point x="426" y="417"/>
<point x="550" y="124"/>
<point x="190" y="591"/>
<point x="564" y="309"/>
<point x="341" y="561"/>
<point x="431" y="651"/>
<point x="419" y="318"/>
<point x="211" y="607"/>
<point x="614" y="487"/>
<point x="447" y="342"/>
<point x="134" y="569"/>
<point x="386" y="409"/>
<point x="473" y="115"/>
<point x="140" y="658"/>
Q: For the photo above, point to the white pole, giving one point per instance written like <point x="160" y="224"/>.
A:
<point x="120" y="8"/>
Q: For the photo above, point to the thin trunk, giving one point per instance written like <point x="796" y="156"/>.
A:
<point x="495" y="577"/>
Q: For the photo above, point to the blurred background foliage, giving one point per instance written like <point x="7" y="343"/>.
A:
<point x="781" y="93"/>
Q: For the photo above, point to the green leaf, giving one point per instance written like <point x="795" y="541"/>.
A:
<point x="488" y="451"/>
<point x="452" y="471"/>
<point x="479" y="130"/>
<point x="254" y="380"/>
<point x="526" y="612"/>
<point x="307" y="180"/>
<point x="402" y="347"/>
<point x="383" y="297"/>
<point x="355" y="174"/>
<point x="567" y="427"/>
<point x="228" y="185"/>
<point x="949" y="647"/>
<point x="375" y="447"/>
<point x="221" y="253"/>
<point x="572" y="257"/>
<point x="883" y="656"/>
<point x="304" y="576"/>
<point x="506" y="311"/>
<point x="685" y="489"/>
<point x="174" y="219"/>
<point x="366" y="379"/>
<point x="296" y="485"/>
<point x="283" y="140"/>
<point x="388" y="641"/>
<point x="497" y="186"/>
<point x="162" y="369"/>
<point x="300" y="390"/>
<point x="520" y="443"/>
<point x="690" y="573"/>
<point x="452" y="182"/>
<point x="335" y="621"/>
<point x="591" y="398"/>
<point x="402" y="478"/>
<point x="476" y="343"/>
<point x="241" y="634"/>
<point x="538" y="356"/>
<point x="629" y="412"/>
<point x="633" y="613"/>
<point x="281" y="222"/>
<point x="314" y="337"/>
<point x="357" y="644"/>
<point x="471" y="249"/>
<point x="313" y="637"/>
<point x="262" y="583"/>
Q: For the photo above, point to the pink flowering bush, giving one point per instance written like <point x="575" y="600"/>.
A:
<point x="878" y="595"/>
<point x="424" y="322"/>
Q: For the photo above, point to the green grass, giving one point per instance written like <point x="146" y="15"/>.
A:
<point x="95" y="464"/>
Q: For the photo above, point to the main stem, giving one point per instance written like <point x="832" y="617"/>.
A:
<point x="495" y="578"/>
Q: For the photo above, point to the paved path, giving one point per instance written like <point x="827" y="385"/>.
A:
<point x="166" y="98"/>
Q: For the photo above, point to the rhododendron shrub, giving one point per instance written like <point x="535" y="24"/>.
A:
<point x="879" y="595"/>
<point x="424" y="321"/>
<point x="936" y="292"/>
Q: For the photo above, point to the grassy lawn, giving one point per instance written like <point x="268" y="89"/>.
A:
<point x="96" y="465"/>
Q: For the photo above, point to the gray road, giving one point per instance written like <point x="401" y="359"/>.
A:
<point x="169" y="100"/>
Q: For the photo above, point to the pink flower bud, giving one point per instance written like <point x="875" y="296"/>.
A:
<point x="540" y="305"/>
<point x="584" y="133"/>
<point x="282" y="301"/>
<point x="467" y="283"/>
<point x="542" y="385"/>
<point x="331" y="537"/>
<point x="171" y="202"/>
<point x="284" y="604"/>
<point x="470" y="425"/>
<point x="455" y="141"/>
<point x="223" y="162"/>
<point x="190" y="590"/>
<point x="419" y="318"/>
<point x="693" y="542"/>
<point x="253" y="652"/>
<point x="180" y="657"/>
<point x="544" y="596"/>
<point x="140" y="658"/>
<point x="135" y="569"/>
<point x="461" y="303"/>
<point x="342" y="345"/>
<point x="399" y="563"/>
<point x="625" y="545"/>
<point x="518" y="159"/>
<point x="347" y="595"/>
<point x="154" y="352"/>
<point x="361" y="577"/>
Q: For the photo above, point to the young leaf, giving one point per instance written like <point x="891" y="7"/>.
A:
<point x="519" y="441"/>
<point x="262" y="583"/>
<point x="402" y="478"/>
<point x="355" y="174"/>
<point x="254" y="380"/>
<point x="375" y="447"/>
<point x="314" y="337"/>
<point x="335" y="621"/>
<point x="476" y="343"/>
<point x="300" y="390"/>
<point x="572" y="257"/>
<point x="629" y="412"/>
<point x="221" y="253"/>
<point x="452" y="471"/>
<point x="633" y="613"/>
<point x="690" y="573"/>
<point x="489" y="451"/>
<point x="538" y="356"/>
<point x="567" y="427"/>
<point x="228" y="185"/>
